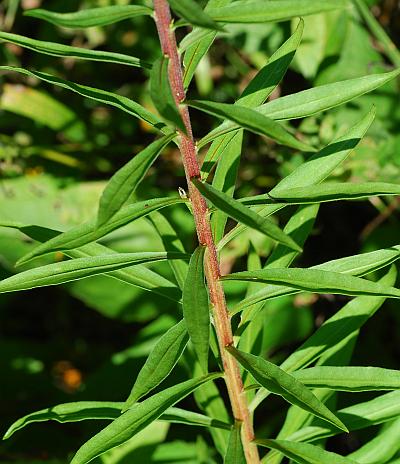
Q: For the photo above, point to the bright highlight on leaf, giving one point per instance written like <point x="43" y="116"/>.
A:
<point x="90" y="17"/>
<point x="244" y="215"/>
<point x="195" y="305"/>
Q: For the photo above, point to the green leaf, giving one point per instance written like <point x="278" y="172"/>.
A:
<point x="195" y="304"/>
<point x="381" y="448"/>
<point x="202" y="42"/>
<point x="316" y="281"/>
<point x="324" y="97"/>
<point x="102" y="96"/>
<point x="359" y="416"/>
<point x="94" y="410"/>
<point x="357" y="265"/>
<point x="340" y="326"/>
<point x="260" y="12"/>
<point x="56" y="49"/>
<point x="191" y="11"/>
<point x="303" y="453"/>
<point x="159" y="363"/>
<point x="240" y="213"/>
<point x="139" y="276"/>
<point x="68" y="412"/>
<point x="251" y="120"/>
<point x="88" y="232"/>
<point x="281" y="383"/>
<point x="329" y="191"/>
<point x="181" y="416"/>
<point x="171" y="242"/>
<point x="256" y="92"/>
<point x="161" y="93"/>
<point x="349" y="378"/>
<point x="90" y="17"/>
<point x="234" y="452"/>
<point x="136" y="419"/>
<point x="125" y="181"/>
<point x="80" y="268"/>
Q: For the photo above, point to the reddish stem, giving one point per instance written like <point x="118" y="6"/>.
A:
<point x="222" y="321"/>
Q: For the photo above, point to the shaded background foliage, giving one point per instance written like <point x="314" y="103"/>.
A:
<point x="88" y="339"/>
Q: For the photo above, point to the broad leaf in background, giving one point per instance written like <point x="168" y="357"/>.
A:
<point x="137" y="418"/>
<point x="191" y="11"/>
<point x="195" y="305"/>
<point x="281" y="383"/>
<point x="161" y="93"/>
<point x="159" y="363"/>
<point x="90" y="17"/>
<point x="244" y="215"/>
<point x="80" y="268"/>
<point x="303" y="453"/>
<point x="55" y="49"/>
<point x="125" y="181"/>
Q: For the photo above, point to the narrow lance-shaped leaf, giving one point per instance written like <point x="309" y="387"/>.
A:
<point x="90" y="17"/>
<point x="260" y="12"/>
<point x="75" y="269"/>
<point x="136" y="419"/>
<point x="88" y="232"/>
<point x="317" y="281"/>
<point x="234" y="452"/>
<point x="101" y="410"/>
<point x="349" y="378"/>
<point x="382" y="409"/>
<point x="382" y="447"/>
<point x="161" y="93"/>
<point x="159" y="363"/>
<point x="281" y="383"/>
<point x="315" y="169"/>
<point x="139" y="276"/>
<point x="324" y="97"/>
<point x="125" y="181"/>
<point x="56" y="49"/>
<point x="340" y="326"/>
<point x="357" y="265"/>
<point x="303" y="453"/>
<point x="195" y="304"/>
<point x="191" y="11"/>
<point x="102" y="96"/>
<point x="329" y="191"/>
<point x="242" y="214"/>
<point x="251" y="120"/>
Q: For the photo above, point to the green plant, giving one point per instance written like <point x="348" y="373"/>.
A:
<point x="227" y="340"/>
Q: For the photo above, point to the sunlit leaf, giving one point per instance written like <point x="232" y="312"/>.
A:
<point x="191" y="11"/>
<point x="235" y="453"/>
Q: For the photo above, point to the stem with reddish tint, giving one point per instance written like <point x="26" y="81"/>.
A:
<point x="222" y="321"/>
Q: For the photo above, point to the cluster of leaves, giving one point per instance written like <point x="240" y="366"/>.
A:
<point x="311" y="375"/>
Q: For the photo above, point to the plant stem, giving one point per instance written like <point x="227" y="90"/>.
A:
<point x="222" y="321"/>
